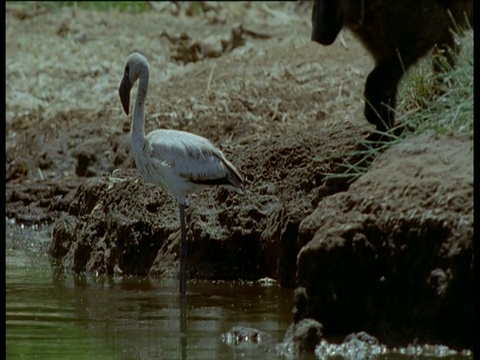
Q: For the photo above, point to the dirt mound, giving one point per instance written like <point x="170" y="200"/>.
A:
<point x="394" y="254"/>
<point x="117" y="223"/>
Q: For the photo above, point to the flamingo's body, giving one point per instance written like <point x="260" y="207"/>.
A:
<point x="179" y="161"/>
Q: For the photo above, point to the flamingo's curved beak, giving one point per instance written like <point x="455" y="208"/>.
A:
<point x="124" y="92"/>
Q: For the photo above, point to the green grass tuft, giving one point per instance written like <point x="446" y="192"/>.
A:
<point x="443" y="102"/>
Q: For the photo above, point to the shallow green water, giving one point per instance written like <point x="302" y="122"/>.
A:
<point x="50" y="315"/>
<point x="53" y="315"/>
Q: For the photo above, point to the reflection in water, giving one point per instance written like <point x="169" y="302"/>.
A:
<point x="54" y="314"/>
<point x="183" y="326"/>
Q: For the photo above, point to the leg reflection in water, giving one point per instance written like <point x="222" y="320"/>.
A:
<point x="183" y="326"/>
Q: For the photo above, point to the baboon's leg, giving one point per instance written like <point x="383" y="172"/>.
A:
<point x="381" y="90"/>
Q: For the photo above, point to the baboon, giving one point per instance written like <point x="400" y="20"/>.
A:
<point x="397" y="33"/>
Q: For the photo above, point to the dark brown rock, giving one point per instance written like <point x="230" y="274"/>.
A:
<point x="304" y="335"/>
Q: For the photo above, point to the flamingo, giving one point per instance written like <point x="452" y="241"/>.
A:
<point x="180" y="162"/>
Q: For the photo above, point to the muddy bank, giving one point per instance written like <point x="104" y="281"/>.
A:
<point x="116" y="223"/>
<point x="394" y="254"/>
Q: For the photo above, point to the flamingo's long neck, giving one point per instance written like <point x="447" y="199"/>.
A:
<point x="137" y="131"/>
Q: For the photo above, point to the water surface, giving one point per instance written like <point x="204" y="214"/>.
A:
<point x="50" y="314"/>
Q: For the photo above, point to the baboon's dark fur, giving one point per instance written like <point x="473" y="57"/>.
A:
<point x="397" y="33"/>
